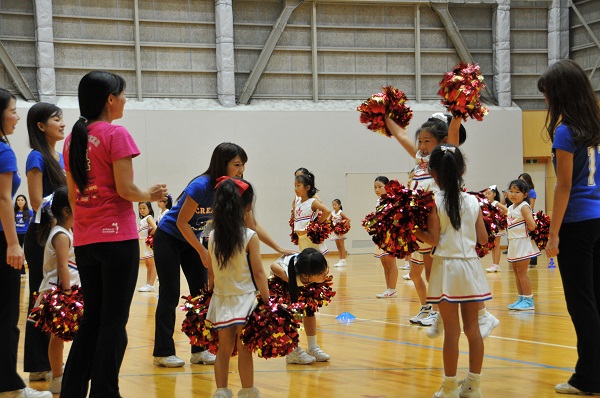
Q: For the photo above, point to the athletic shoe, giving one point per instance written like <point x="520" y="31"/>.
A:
<point x="40" y="376"/>
<point x="341" y="263"/>
<point x="429" y="319"/>
<point x="26" y="393"/>
<point x="449" y="388"/>
<point x="318" y="354"/>
<point x="172" y="361"/>
<point x="55" y="385"/>
<point x="423" y="313"/>
<point x="299" y="357"/>
<point x="513" y="305"/>
<point x="146" y="288"/>
<point x="525" y="304"/>
<point x="406" y="277"/>
<point x="532" y="265"/>
<point x="566" y="388"/>
<point x="437" y="328"/>
<point x="406" y="266"/>
<point x="470" y="387"/>
<point x="223" y="393"/>
<point x="387" y="294"/>
<point x="493" y="268"/>
<point x="487" y="323"/>
<point x="204" y="357"/>
<point x="252" y="392"/>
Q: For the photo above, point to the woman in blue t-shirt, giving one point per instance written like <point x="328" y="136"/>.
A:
<point x="45" y="173"/>
<point x="23" y="216"/>
<point x="573" y="123"/>
<point x="180" y="243"/>
<point x="11" y="258"/>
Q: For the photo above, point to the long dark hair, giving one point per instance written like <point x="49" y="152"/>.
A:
<point x="25" y="208"/>
<point x="528" y="180"/>
<point x="41" y="113"/>
<point x="439" y="129"/>
<point x="308" y="180"/>
<point x="221" y="156"/>
<point x="571" y="101"/>
<point x="60" y="202"/>
<point x="382" y="179"/>
<point x="309" y="262"/>
<point x="93" y="92"/>
<point x="150" y="209"/>
<point x="448" y="165"/>
<point x="229" y="209"/>
<point x="5" y="97"/>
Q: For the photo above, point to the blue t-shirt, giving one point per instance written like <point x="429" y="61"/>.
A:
<point x="8" y="164"/>
<point x="35" y="160"/>
<point x="532" y="194"/>
<point x="22" y="224"/>
<point x="584" y="202"/>
<point x="201" y="191"/>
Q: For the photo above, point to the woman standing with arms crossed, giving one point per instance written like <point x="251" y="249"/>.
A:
<point x="179" y="243"/>
<point x="573" y="123"/>
<point x="45" y="170"/>
<point x="101" y="191"/>
<point x="11" y="259"/>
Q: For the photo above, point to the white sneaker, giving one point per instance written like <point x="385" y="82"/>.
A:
<point x="252" y="392"/>
<point x="300" y="357"/>
<point x="40" y="376"/>
<point x="430" y="319"/>
<point x="26" y="393"/>
<point x="55" y="385"/>
<point x="493" y="268"/>
<point x="406" y="277"/>
<point x="146" y="288"/>
<point x="341" y="263"/>
<point x="318" y="353"/>
<point x="423" y="313"/>
<point x="437" y="328"/>
<point x="204" y="357"/>
<point x="406" y="266"/>
<point x="487" y="323"/>
<point x="223" y="393"/>
<point x="388" y="293"/>
<point x="172" y="361"/>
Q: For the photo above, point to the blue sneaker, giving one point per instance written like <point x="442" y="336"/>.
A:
<point x="513" y="305"/>
<point x="525" y="304"/>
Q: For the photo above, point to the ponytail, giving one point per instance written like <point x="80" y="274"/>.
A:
<point x="292" y="281"/>
<point x="448" y="165"/>
<point x="51" y="210"/>
<point x="310" y="262"/>
<point x="308" y="179"/>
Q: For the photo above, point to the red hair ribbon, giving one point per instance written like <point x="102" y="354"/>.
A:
<point x="242" y="185"/>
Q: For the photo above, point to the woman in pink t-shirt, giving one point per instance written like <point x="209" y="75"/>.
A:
<point x="98" y="162"/>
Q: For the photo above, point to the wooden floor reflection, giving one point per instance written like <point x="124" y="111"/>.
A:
<point x="379" y="354"/>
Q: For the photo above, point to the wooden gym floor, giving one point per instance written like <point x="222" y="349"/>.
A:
<point x="379" y="354"/>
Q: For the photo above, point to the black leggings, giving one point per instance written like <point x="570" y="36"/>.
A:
<point x="169" y="254"/>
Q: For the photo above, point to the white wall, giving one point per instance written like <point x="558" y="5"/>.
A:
<point x="177" y="140"/>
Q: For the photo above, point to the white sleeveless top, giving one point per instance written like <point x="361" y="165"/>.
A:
<point x="144" y="228"/>
<point x="421" y="177"/>
<point x="336" y="217"/>
<point x="303" y="213"/>
<point x="236" y="278"/>
<point x="50" y="272"/>
<point x="461" y="243"/>
<point x="517" y="228"/>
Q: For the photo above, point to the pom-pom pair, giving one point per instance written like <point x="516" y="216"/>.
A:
<point x="317" y="231"/>
<point x="542" y="229"/>
<point x="342" y="227"/>
<point x="461" y="92"/>
<point x="150" y="241"/>
<point x="59" y="313"/>
<point x="390" y="102"/>
<point x="493" y="219"/>
<point x="311" y="297"/>
<point x="400" y="212"/>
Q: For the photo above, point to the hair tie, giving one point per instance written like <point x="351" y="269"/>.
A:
<point x="83" y="118"/>
<point x="493" y="188"/>
<point x="448" y="148"/>
<point x="440" y="116"/>
<point x="45" y="207"/>
<point x="242" y="185"/>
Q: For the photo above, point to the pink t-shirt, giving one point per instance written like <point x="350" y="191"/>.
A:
<point x="101" y="215"/>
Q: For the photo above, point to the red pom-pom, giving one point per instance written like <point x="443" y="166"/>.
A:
<point x="461" y="92"/>
<point x="391" y="102"/>
<point x="317" y="231"/>
<point x="272" y="329"/>
<point x="342" y="227"/>
<point x="150" y="241"/>
<point x="293" y="235"/>
<point x="195" y="325"/>
<point x="492" y="218"/>
<point x="59" y="313"/>
<point x="542" y="229"/>
<point x="311" y="296"/>
<point x="400" y="212"/>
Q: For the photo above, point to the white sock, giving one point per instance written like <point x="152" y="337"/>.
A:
<point x="312" y="341"/>
<point x="530" y="296"/>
